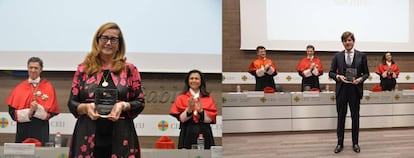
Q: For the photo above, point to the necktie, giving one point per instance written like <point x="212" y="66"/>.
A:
<point x="348" y="59"/>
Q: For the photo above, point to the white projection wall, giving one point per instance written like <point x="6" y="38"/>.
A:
<point x="161" y="35"/>
<point x="378" y="25"/>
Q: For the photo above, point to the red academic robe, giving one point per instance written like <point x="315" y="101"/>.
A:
<point x="190" y="129"/>
<point x="181" y="103"/>
<point x="24" y="93"/>
<point x="389" y="81"/>
<point x="258" y="63"/>
<point x="263" y="79"/>
<point x="310" y="77"/>
<point x="19" y="102"/>
<point x="305" y="64"/>
<point x="384" y="67"/>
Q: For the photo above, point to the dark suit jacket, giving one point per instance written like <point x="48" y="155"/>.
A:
<point x="338" y="67"/>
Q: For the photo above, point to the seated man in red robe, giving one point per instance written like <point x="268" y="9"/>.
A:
<point x="32" y="103"/>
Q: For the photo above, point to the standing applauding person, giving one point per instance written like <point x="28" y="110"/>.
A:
<point x="388" y="71"/>
<point x="310" y="68"/>
<point x="196" y="110"/>
<point x="263" y="69"/>
<point x="32" y="103"/>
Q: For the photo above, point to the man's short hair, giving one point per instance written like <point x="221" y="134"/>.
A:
<point x="347" y="34"/>
<point x="260" y="47"/>
<point x="36" y="60"/>
<point x="310" y="46"/>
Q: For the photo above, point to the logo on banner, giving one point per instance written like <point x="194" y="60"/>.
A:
<point x="224" y="100"/>
<point x="140" y="125"/>
<point x="397" y="97"/>
<point x="333" y="97"/>
<point x="163" y="125"/>
<point x="244" y="77"/>
<point x="296" y="99"/>
<point x="4" y="122"/>
<point x="369" y="78"/>
<point x="367" y="98"/>
<point x="57" y="124"/>
<point x="263" y="99"/>
<point x="288" y="78"/>
<point x="63" y="155"/>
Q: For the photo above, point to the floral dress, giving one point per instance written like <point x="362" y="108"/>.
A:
<point x="123" y="137"/>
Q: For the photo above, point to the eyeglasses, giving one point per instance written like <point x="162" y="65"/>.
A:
<point x="104" y="39"/>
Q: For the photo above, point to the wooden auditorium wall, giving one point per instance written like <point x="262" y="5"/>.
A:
<point x="160" y="91"/>
<point x="236" y="60"/>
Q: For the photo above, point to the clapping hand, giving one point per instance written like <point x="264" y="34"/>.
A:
<point x="390" y="71"/>
<point x="33" y="107"/>
<point x="267" y="66"/>
<point x="198" y="105"/>
<point x="312" y="66"/>
<point x="190" y="104"/>
<point x="316" y="66"/>
<point x="194" y="105"/>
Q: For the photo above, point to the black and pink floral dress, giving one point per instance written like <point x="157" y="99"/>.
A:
<point x="121" y="135"/>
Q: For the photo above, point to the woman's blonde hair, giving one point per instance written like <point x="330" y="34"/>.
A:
<point x="92" y="61"/>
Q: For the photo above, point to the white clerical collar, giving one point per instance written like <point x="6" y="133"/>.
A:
<point x="195" y="94"/>
<point x="35" y="81"/>
<point x="310" y="57"/>
<point x="389" y="63"/>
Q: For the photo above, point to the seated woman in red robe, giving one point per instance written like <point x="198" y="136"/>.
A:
<point x="388" y="71"/>
<point x="32" y="103"/>
<point x="196" y="110"/>
<point x="310" y="68"/>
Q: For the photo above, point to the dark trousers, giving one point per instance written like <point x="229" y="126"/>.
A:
<point x="348" y="95"/>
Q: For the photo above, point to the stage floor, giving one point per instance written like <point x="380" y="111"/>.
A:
<point x="374" y="143"/>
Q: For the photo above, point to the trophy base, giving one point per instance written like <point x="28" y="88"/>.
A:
<point x="103" y="109"/>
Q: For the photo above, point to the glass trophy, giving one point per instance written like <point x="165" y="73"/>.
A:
<point x="105" y="99"/>
<point x="350" y="74"/>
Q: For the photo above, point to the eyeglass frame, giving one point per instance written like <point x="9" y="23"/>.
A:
<point x="105" y="39"/>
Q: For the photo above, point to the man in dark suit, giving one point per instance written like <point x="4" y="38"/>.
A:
<point x="349" y="69"/>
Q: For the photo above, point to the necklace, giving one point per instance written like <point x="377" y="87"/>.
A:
<point x="35" y="91"/>
<point x="105" y="83"/>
